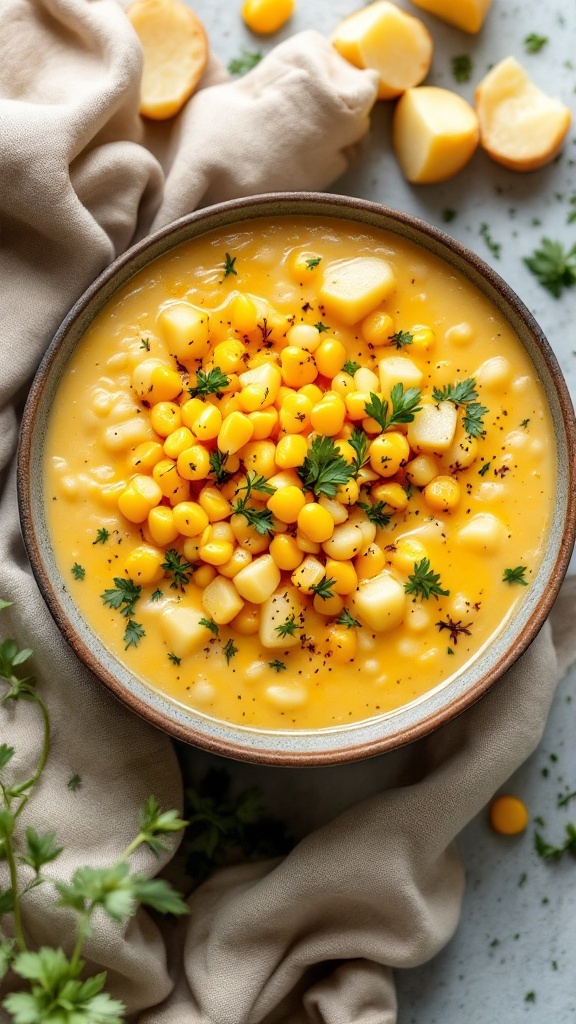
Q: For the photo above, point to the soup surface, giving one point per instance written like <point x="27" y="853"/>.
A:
<point x="298" y="474"/>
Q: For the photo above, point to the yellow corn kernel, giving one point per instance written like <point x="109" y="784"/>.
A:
<point x="344" y="575"/>
<point x="194" y="463"/>
<point x="165" y="417"/>
<point x="146" y="455"/>
<point x="283" y="392"/>
<point x="343" y="383"/>
<point x="189" y="518"/>
<point x="388" y="453"/>
<point x="190" y="411"/>
<point x="247" y="622"/>
<point x="309" y="547"/>
<point x="190" y="549"/>
<point x="264" y="422"/>
<point x="214" y="504"/>
<point x="222" y="531"/>
<point x="423" y="338"/>
<point x="347" y="494"/>
<point x="238" y="559"/>
<point x="298" y="366"/>
<point x="366" y="476"/>
<point x="304" y="336"/>
<point x="291" y="451"/>
<point x="345" y="450"/>
<point x="327" y="417"/>
<point x="267" y="377"/>
<point x="377" y="327"/>
<point x="139" y="497"/>
<point x="235" y="432"/>
<point x="247" y="536"/>
<point x="408" y="551"/>
<point x="295" y="412"/>
<point x="227" y="404"/>
<point x="308" y="574"/>
<point x="286" y="504"/>
<point x="287" y="478"/>
<point x="313" y="392"/>
<point x="259" y="456"/>
<point x="213" y="550"/>
<point x="166" y="384"/>
<point x="370" y="563"/>
<point x="330" y="357"/>
<point x="356" y="404"/>
<point x="304" y="265"/>
<point x="508" y="815"/>
<point x="341" y="643"/>
<point x="229" y="355"/>
<point x="180" y="490"/>
<point x="392" y="494"/>
<point x="316" y="522"/>
<point x="285" y="552"/>
<point x="329" y="606"/>
<point x="252" y="397"/>
<point x="243" y="314"/>
<point x="144" y="564"/>
<point x="442" y="494"/>
<point x="204" y="575"/>
<point x="178" y="441"/>
<point x="422" y="469"/>
<point x="161" y="525"/>
<point x="207" y="424"/>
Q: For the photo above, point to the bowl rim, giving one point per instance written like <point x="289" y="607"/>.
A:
<point x="434" y="240"/>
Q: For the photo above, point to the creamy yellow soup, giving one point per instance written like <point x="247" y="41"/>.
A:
<point x="298" y="474"/>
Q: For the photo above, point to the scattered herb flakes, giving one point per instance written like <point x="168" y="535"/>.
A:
<point x="313" y="262"/>
<point x="564" y="800"/>
<point x="229" y="267"/>
<point x="462" y="67"/>
<point x="133" y="634"/>
<point x="102" y="536"/>
<point x="525" y="423"/>
<point x="78" y="571"/>
<point x="157" y="595"/>
<point x="174" y="658"/>
<point x="448" y="215"/>
<point x="74" y="783"/>
<point x="209" y="624"/>
<point x="229" y="650"/>
<point x="350" y="366"/>
<point x="209" y="382"/>
<point x="324" y="588"/>
<point x="484" y="469"/>
<point x="288" y="627"/>
<point x="515" y="575"/>
<point x="404" y="406"/>
<point x="123" y="596"/>
<point x="553" y="265"/>
<point x="424" y="583"/>
<point x="572" y="215"/>
<point x="449" y="650"/>
<point x="522" y="879"/>
<point x="145" y="344"/>
<point x="247" y="60"/>
<point x="401" y="338"/>
<point x="495" y="247"/>
<point x="321" y="328"/>
<point x="548" y="852"/>
<point x="346" y="619"/>
<point x="324" y="469"/>
<point x="277" y="665"/>
<point x="533" y="43"/>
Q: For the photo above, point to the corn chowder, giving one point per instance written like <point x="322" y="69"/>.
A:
<point x="298" y="474"/>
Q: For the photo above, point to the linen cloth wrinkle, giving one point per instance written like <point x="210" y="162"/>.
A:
<point x="310" y="938"/>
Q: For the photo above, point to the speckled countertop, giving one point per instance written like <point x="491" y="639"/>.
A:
<point x="513" y="957"/>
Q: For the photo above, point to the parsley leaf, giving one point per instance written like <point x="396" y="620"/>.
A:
<point x="124" y="593"/>
<point x="346" y="619"/>
<point x="401" y="338"/>
<point x="533" y="43"/>
<point x="464" y="394"/>
<point x="462" y="67"/>
<point x="549" y="852"/>
<point x="78" y="571"/>
<point x="424" y="583"/>
<point x="324" y="588"/>
<point x="495" y="247"/>
<point x="74" y="783"/>
<point x="229" y="265"/>
<point x="376" y="513"/>
<point x="484" y="469"/>
<point x="515" y="575"/>
<point x="277" y="665"/>
<point x="178" y="568"/>
<point x="324" y="469"/>
<point x="133" y="634"/>
<point x="174" y="658"/>
<point x="404" y="405"/>
<point x="313" y="262"/>
<point x="209" y="624"/>
<point x="321" y="328"/>
<point x="554" y="266"/>
<point x="157" y="595"/>
<point x="229" y="650"/>
<point x="217" y="463"/>
<point x="209" y="382"/>
<point x="260" y="518"/>
<point x="360" y="443"/>
<point x="247" y="60"/>
<point x="102" y="536"/>
<point x="350" y="366"/>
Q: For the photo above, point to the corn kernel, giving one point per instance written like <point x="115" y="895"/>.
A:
<point x="327" y="417"/>
<point x="165" y="417"/>
<point x="291" y="451"/>
<point x="222" y="531"/>
<point x="508" y="815"/>
<point x="161" y="525"/>
<point x="238" y="559"/>
<point x="392" y="494"/>
<point x="341" y="643"/>
<point x="235" y="432"/>
<point x="304" y="265"/>
<point x="214" y="551"/>
<point x="344" y="575"/>
<point x="229" y="355"/>
<point x="316" y="522"/>
<point x="252" y="397"/>
<point x="313" y="392"/>
<point x="203" y="576"/>
<point x="356" y="404"/>
<point x="227" y="404"/>
<point x="214" y="504"/>
<point x="285" y="552"/>
<point x="330" y="357"/>
<point x="166" y="384"/>
<point x="286" y="504"/>
<point x="267" y="377"/>
<point x="343" y="383"/>
<point x="194" y="463"/>
<point x="189" y="518"/>
<point x="247" y="622"/>
<point x="247" y="536"/>
<point x="377" y="327"/>
<point x="146" y="455"/>
<point x="309" y="547"/>
<point x="370" y="563"/>
<point x="144" y="564"/>
<point x="258" y="581"/>
<point x="329" y="606"/>
<point x="304" y="336"/>
<point x="140" y="496"/>
<point x="298" y="366"/>
<point x="348" y="493"/>
<point x="190" y="549"/>
<point x="388" y="453"/>
<point x="178" y="441"/>
<point x="207" y="424"/>
<point x="442" y="494"/>
<point x="423" y="338"/>
<point x="295" y="414"/>
<point x="259" y="456"/>
<point x="408" y="551"/>
<point x="243" y="314"/>
<point x="190" y="411"/>
<point x="264" y="422"/>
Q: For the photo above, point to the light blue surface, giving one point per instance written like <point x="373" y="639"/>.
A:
<point x="512" y="932"/>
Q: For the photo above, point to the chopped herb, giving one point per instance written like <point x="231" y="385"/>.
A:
<point x="485" y="468"/>
<point x="229" y="262"/>
<point x="247" y="60"/>
<point x="345" y="619"/>
<point x="462" y="67"/>
<point x="256" y="482"/>
<point x="260" y="518"/>
<point x="124" y="593"/>
<point x="376" y="513"/>
<point x="464" y="394"/>
<point x="404" y="405"/>
<point x="554" y="266"/>
<point x="525" y="423"/>
<point x="549" y="852"/>
<point x="530" y="997"/>
<point x="449" y="650"/>
<point x="209" y="382"/>
<point x="102" y="536"/>
<point x="533" y="42"/>
<point x="145" y="344"/>
<point x="178" y="568"/>
<point x="78" y="571"/>
<point x="74" y="783"/>
<point x="278" y="666"/>
<point x="564" y="800"/>
<point x="313" y="262"/>
<point x="360" y="443"/>
<point x="209" y="624"/>
<point x="572" y="215"/>
<point x="217" y="464"/>
<point x="424" y="583"/>
<point x="515" y="575"/>
<point x="157" y="595"/>
<point x="449" y="215"/>
<point x="456" y="629"/>
<point x="401" y="338"/>
<point x="133" y="634"/>
<point x="321" y="328"/>
<point x="350" y="366"/>
<point x="324" y="469"/>
<point x="323" y="588"/>
<point x="495" y="247"/>
<point x="229" y="650"/>
<point x="289" y="627"/>
<point x="174" y="658"/>
<point x="522" y="879"/>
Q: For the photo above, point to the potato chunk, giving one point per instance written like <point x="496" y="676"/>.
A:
<point x="388" y="40"/>
<point x="285" y="606"/>
<point x="258" y="581"/>
<point x="466" y="14"/>
<point x="520" y="126"/>
<point x="433" y="428"/>
<point x="380" y="602"/>
<point x="352" y="288"/>
<point x="185" y="328"/>
<point x="221" y="600"/>
<point x="398" y="370"/>
<point x="183" y="631"/>
<point x="434" y="133"/>
<point x="483" y="533"/>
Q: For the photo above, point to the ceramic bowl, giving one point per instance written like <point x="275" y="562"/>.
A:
<point x="342" y="743"/>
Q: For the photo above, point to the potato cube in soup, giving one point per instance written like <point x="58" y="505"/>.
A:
<point x="185" y="329"/>
<point x="468" y="15"/>
<point x="433" y="428"/>
<point x="380" y="602"/>
<point x="258" y="581"/>
<point x="386" y="39"/>
<point x="435" y="133"/>
<point x="484" y="533"/>
<point x="398" y="370"/>
<point x="221" y="601"/>
<point x="352" y="288"/>
<point x="183" y="631"/>
<point x="282" y="619"/>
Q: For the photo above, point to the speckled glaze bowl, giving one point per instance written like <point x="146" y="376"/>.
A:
<point x="342" y="743"/>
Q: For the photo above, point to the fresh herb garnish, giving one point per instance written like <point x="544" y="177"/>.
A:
<point x="247" y="60"/>
<point x="346" y="619"/>
<point x="123" y="596"/>
<point x="424" y="583"/>
<point x="78" y="571"/>
<point x="209" y="624"/>
<point x="178" y="568"/>
<point x="288" y="627"/>
<point x="260" y="518"/>
<point x="549" y="852"/>
<point x="321" y="328"/>
<point x="455" y="629"/>
<point x="229" y="262"/>
<point x="229" y="650"/>
<point x="358" y="440"/>
<point x="462" y="67"/>
<point x="277" y="665"/>
<point x="209" y="382"/>
<point x="533" y="42"/>
<point x="324" y="588"/>
<point x="313" y="262"/>
<point x="404" y="405"/>
<point x="350" y="366"/>
<point x="376" y="512"/>
<point x="565" y="799"/>
<point x="145" y="344"/>
<point x="174" y="658"/>
<point x="495" y="247"/>
<point x="401" y="338"/>
<point x="553" y="265"/>
<point x="464" y="394"/>
<point x="74" y="783"/>
<point x="157" y="595"/>
<point x="217" y="464"/>
<point x="484" y="469"/>
<point x="132" y="634"/>
<point x="324" y="469"/>
<point x="525" y="423"/>
<point x="102" y="536"/>
<point x="515" y="575"/>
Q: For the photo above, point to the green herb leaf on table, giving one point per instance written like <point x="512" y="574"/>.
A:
<point x="553" y="265"/>
<point x="153" y="822"/>
<point x="495" y="247"/>
<point x="41" y="849"/>
<point x="247" y="60"/>
<point x="462" y="67"/>
<point x="209" y="382"/>
<point x="424" y="583"/>
<point x="56" y="993"/>
<point x="74" y="783"/>
<point x="533" y="43"/>
<point x="548" y="852"/>
<point x="324" y="469"/>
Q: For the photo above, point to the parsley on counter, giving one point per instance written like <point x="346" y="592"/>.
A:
<point x="247" y="60"/>
<point x="553" y="265"/>
<point x="533" y="43"/>
<point x="462" y="67"/>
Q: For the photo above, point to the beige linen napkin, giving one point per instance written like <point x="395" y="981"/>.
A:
<point x="310" y="938"/>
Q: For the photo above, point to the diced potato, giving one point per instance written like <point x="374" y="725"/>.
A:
<point x="286" y="696"/>
<point x="484" y="533"/>
<point x="183" y="631"/>
<point x="221" y="600"/>
<point x="281" y="607"/>
<point x="308" y="574"/>
<point x="346" y="542"/>
<point x="468" y="15"/>
<point x="258" y="581"/>
<point x="185" y="328"/>
<point x="380" y="602"/>
<point x="520" y="126"/>
<point x="494" y="373"/>
<point x="388" y="40"/>
<point x="359" y="518"/>
<point x="434" y="133"/>
<point x="338" y="511"/>
<point x="398" y="370"/>
<point x="267" y="376"/>
<point x="351" y="289"/>
<point x="121" y="436"/>
<point x="422" y="469"/>
<point x="433" y="428"/>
